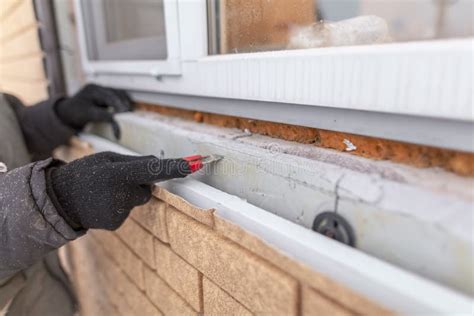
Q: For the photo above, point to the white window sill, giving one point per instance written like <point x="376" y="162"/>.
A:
<point x="428" y="79"/>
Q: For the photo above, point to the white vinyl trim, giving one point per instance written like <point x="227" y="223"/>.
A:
<point x="429" y="79"/>
<point x="193" y="29"/>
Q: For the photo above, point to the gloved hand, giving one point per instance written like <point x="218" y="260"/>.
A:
<point x="93" y="104"/>
<point x="100" y="190"/>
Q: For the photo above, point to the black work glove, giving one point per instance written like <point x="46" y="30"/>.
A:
<point x="93" y="104"/>
<point x="100" y="190"/>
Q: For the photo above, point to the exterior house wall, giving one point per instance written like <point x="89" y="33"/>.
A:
<point x="21" y="58"/>
<point x="172" y="258"/>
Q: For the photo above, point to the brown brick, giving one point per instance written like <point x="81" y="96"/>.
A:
<point x="180" y="275"/>
<point x="261" y="287"/>
<point x="217" y="302"/>
<point x="205" y="216"/>
<point x="298" y="270"/>
<point x="164" y="297"/>
<point x="106" y="272"/>
<point x="152" y="216"/>
<point x="316" y="304"/>
<point x="124" y="293"/>
<point x="110" y="280"/>
<point x="93" y="300"/>
<point x="138" y="239"/>
<point x="123" y="256"/>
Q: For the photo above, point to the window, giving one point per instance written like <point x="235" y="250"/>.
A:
<point x="404" y="62"/>
<point x="126" y="30"/>
<point x="131" y="34"/>
<point x="241" y="26"/>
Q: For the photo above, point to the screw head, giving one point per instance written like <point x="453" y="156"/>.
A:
<point x="334" y="226"/>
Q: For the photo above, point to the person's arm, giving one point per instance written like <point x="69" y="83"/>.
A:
<point x="52" y="122"/>
<point x="30" y="226"/>
<point x="45" y="204"/>
<point x="41" y="127"/>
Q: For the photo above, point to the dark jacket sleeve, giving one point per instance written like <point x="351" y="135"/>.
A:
<point x="42" y="129"/>
<point x="30" y="226"/>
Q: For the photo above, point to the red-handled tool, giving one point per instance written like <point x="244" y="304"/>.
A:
<point x="166" y="169"/>
<point x="197" y="162"/>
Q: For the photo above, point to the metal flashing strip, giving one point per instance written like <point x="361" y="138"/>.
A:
<point x="384" y="283"/>
<point x="429" y="131"/>
<point x="402" y="215"/>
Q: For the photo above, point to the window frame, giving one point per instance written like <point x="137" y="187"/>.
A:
<point x="425" y="80"/>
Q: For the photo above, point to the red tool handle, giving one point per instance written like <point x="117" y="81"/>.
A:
<point x="195" y="162"/>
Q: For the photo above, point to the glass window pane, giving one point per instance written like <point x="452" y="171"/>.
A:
<point x="125" y="29"/>
<point x="132" y="19"/>
<point x="261" y="25"/>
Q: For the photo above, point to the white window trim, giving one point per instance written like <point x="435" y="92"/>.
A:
<point x="426" y="79"/>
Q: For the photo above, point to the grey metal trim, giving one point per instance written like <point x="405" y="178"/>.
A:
<point x="44" y="11"/>
<point x="429" y="131"/>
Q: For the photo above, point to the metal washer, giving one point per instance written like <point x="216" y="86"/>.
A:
<point x="334" y="226"/>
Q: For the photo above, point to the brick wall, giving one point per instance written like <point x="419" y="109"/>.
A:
<point x="21" y="58"/>
<point x="172" y="258"/>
